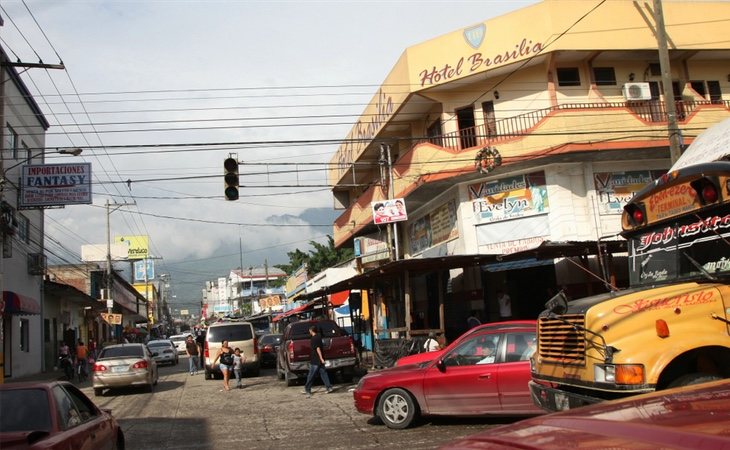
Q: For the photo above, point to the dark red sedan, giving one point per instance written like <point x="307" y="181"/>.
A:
<point x="484" y="372"/>
<point x="690" y="417"/>
<point x="54" y="415"/>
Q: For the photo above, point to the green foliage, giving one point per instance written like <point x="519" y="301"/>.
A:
<point x="321" y="257"/>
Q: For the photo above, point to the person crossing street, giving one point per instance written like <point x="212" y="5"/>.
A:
<point x="191" y="348"/>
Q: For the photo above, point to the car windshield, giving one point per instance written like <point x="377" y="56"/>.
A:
<point x="122" y="352"/>
<point x="30" y="410"/>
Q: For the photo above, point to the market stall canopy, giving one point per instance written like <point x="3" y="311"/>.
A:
<point x="14" y="303"/>
<point x="545" y="251"/>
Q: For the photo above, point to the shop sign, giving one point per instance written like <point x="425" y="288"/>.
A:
<point x="509" y="198"/>
<point x="55" y="185"/>
<point x="615" y="189"/>
<point x="434" y="228"/>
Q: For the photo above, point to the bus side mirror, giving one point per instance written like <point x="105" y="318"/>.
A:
<point x="558" y="304"/>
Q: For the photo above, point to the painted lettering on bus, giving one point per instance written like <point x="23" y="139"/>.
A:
<point x="676" y="301"/>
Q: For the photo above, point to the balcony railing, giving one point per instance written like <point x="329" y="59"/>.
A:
<point x="504" y="129"/>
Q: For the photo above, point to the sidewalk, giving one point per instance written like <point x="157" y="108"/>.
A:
<point x="51" y="375"/>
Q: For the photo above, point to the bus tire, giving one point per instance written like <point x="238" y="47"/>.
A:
<point x="693" y="378"/>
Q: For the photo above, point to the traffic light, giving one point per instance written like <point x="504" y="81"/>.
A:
<point x="230" y="177"/>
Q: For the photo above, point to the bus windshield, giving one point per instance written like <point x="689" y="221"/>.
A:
<point x="693" y="247"/>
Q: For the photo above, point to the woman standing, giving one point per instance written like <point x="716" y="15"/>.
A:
<point x="225" y="353"/>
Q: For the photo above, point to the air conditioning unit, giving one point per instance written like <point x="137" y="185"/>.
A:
<point x="637" y="91"/>
<point x="36" y="264"/>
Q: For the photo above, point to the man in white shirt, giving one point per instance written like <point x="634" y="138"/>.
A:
<point x="505" y="305"/>
<point x="431" y="343"/>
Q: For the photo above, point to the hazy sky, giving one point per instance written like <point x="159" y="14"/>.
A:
<point x="211" y="78"/>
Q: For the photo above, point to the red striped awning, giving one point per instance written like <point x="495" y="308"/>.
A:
<point x="19" y="304"/>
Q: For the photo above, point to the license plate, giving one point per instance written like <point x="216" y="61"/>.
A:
<point x="561" y="402"/>
<point x="117" y="369"/>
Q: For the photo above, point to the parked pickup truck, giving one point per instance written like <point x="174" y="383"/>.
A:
<point x="292" y="360"/>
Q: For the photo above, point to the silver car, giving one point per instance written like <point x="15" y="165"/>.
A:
<point x="163" y="351"/>
<point x="124" y="365"/>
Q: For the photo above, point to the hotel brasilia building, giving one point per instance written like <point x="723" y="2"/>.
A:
<point x="513" y="145"/>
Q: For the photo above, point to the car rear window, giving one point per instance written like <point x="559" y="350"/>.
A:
<point x="122" y="352"/>
<point x="30" y="410"/>
<point x="158" y="344"/>
<point x="271" y="339"/>
<point x="300" y="330"/>
<point x="230" y="333"/>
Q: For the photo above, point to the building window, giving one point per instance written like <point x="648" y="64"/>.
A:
<point x="568" y="76"/>
<point x="604" y="76"/>
<point x="11" y="141"/>
<point x="28" y="154"/>
<point x="23" y="229"/>
<point x="24" y="335"/>
<point x="434" y="133"/>
<point x="7" y="246"/>
<point x="713" y="88"/>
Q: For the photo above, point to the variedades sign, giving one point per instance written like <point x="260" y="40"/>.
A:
<point x="55" y="185"/>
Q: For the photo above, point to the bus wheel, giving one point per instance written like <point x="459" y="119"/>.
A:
<point x="693" y="378"/>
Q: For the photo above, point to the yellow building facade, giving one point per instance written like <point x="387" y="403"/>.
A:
<point x="529" y="128"/>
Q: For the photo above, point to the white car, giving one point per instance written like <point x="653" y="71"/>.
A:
<point x="163" y="351"/>
<point x="179" y="341"/>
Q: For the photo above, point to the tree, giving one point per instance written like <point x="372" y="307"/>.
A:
<point x="321" y="257"/>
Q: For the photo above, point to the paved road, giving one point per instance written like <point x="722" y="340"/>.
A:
<point x="189" y="412"/>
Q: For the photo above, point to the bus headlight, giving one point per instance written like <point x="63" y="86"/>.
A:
<point x="630" y="374"/>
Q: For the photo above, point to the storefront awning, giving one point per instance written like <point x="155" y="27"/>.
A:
<point x="19" y="304"/>
<point x="299" y="309"/>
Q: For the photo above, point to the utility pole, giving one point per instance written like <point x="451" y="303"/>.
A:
<point x="109" y="277"/>
<point x="675" y="134"/>
<point x="386" y="170"/>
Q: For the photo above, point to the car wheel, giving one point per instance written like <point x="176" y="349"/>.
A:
<point x="98" y="392"/>
<point x="397" y="409"/>
<point x="119" y="443"/>
<point x="693" y="378"/>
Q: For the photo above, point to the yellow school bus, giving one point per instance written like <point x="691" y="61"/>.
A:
<point x="670" y="328"/>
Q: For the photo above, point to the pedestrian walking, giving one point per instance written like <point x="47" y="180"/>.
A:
<point x="82" y="353"/>
<point x="191" y="348"/>
<point x="238" y="360"/>
<point x="316" y="363"/>
<point x="200" y="340"/>
<point x="225" y="354"/>
<point x="505" y="305"/>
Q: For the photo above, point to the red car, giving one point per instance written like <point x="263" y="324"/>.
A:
<point x="54" y="415"/>
<point x="694" y="416"/>
<point x="418" y="358"/>
<point x="484" y="372"/>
